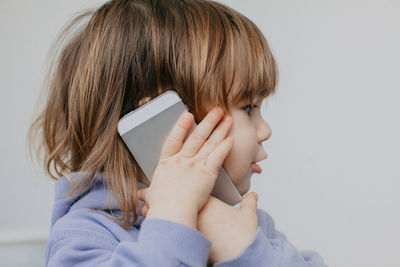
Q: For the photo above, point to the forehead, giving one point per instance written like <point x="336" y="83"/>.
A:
<point x="253" y="76"/>
<point x="247" y="95"/>
<point x="246" y="101"/>
<point x="243" y="67"/>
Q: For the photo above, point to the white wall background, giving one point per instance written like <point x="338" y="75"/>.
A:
<point x="332" y="175"/>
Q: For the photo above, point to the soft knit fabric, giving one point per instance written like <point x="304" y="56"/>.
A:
<point x="81" y="237"/>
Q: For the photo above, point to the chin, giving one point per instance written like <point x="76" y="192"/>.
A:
<point x="242" y="183"/>
<point x="243" y="188"/>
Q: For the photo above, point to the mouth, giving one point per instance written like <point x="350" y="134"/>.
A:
<point x="256" y="167"/>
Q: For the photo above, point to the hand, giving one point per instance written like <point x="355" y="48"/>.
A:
<point x="229" y="229"/>
<point x="187" y="171"/>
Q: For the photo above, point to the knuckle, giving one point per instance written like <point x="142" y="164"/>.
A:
<point x="211" y="123"/>
<point x="211" y="142"/>
<point x="172" y="140"/>
<point x="163" y="162"/>
<point x="207" y="171"/>
<point x="171" y="161"/>
<point x="177" y="160"/>
<point x="196" y="138"/>
<point x="182" y="125"/>
<point x="191" y="164"/>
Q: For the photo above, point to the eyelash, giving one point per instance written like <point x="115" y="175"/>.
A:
<point x="251" y="108"/>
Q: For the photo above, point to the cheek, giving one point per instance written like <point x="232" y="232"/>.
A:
<point x="245" y="145"/>
<point x="238" y="161"/>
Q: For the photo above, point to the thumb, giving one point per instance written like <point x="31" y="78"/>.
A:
<point x="249" y="202"/>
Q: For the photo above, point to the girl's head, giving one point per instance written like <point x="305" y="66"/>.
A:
<point x="128" y="52"/>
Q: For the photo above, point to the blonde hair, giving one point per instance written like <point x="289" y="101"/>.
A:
<point x="131" y="50"/>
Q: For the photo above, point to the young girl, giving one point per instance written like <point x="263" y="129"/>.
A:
<point x="106" y="213"/>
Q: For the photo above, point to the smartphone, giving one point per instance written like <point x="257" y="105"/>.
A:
<point x="145" y="129"/>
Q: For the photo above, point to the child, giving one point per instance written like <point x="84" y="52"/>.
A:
<point x="106" y="213"/>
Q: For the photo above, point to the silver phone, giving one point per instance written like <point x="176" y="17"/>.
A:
<point x="145" y="129"/>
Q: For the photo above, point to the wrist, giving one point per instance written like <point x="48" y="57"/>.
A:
<point x="174" y="213"/>
<point x="236" y="246"/>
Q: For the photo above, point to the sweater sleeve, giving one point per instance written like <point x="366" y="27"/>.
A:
<point x="160" y="243"/>
<point x="271" y="248"/>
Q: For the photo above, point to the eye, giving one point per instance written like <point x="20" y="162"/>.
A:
<point x="249" y="108"/>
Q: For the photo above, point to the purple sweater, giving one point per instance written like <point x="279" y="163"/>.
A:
<point x="80" y="237"/>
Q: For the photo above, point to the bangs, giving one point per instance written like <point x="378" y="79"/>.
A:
<point x="255" y="71"/>
<point x="222" y="60"/>
<point x="248" y="69"/>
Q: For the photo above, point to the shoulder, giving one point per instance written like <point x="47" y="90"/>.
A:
<point x="80" y="231"/>
<point x="86" y="224"/>
<point x="267" y="225"/>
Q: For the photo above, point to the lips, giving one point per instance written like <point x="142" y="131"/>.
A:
<point x="256" y="167"/>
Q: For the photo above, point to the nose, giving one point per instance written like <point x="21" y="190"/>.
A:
<point x="264" y="131"/>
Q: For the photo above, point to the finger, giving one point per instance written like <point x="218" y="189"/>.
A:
<point x="142" y="194"/>
<point x="175" y="138"/>
<point x="216" y="137"/>
<point x="249" y="202"/>
<point x="200" y="134"/>
<point x="218" y="155"/>
<point x="145" y="210"/>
